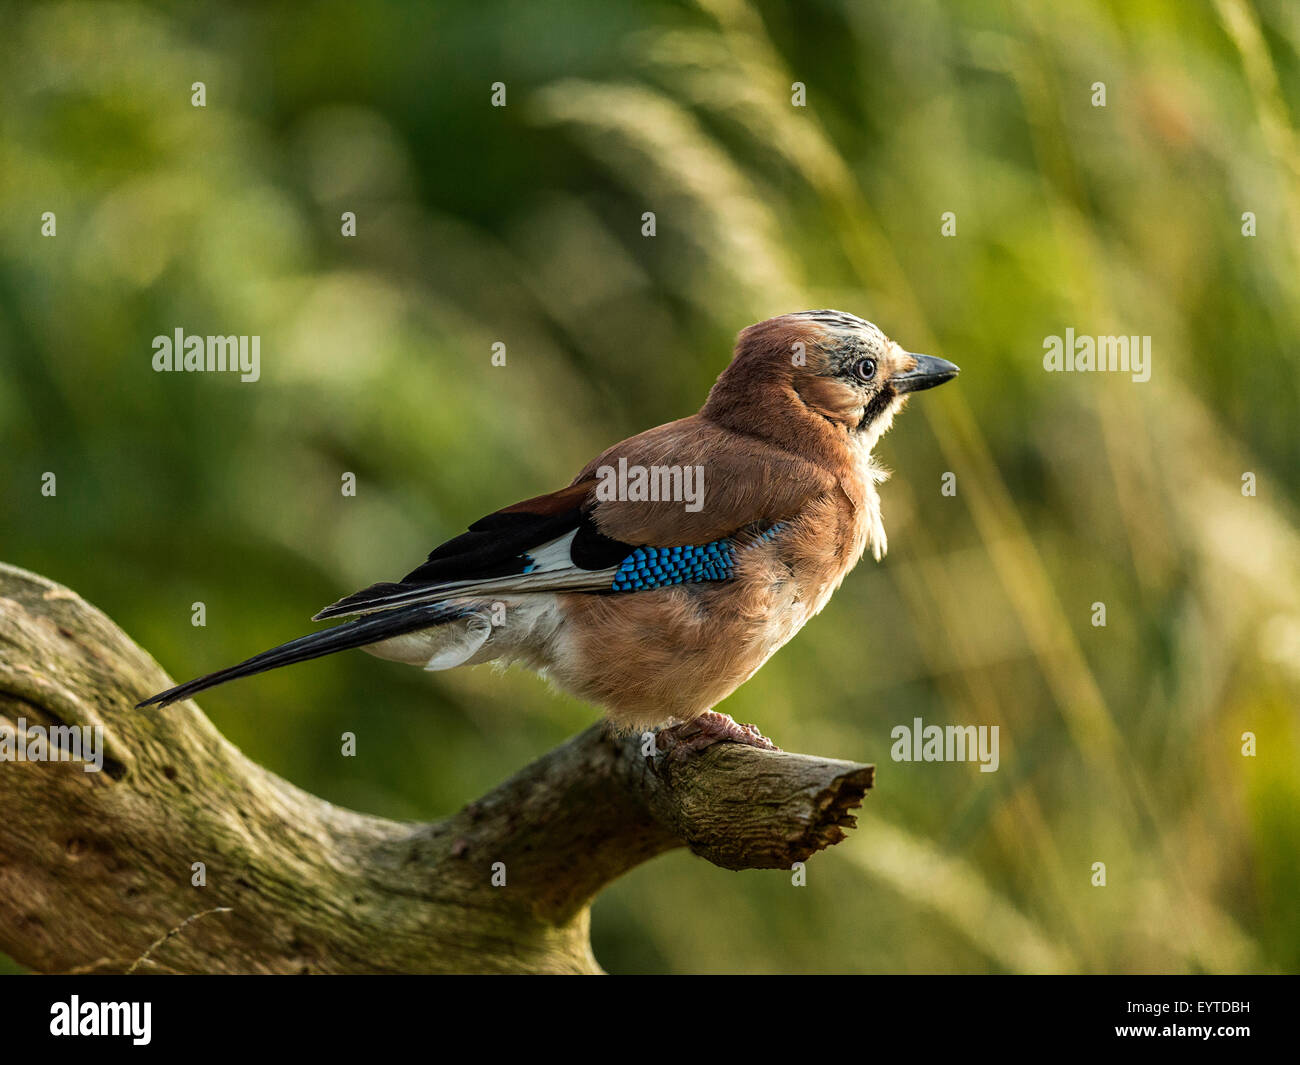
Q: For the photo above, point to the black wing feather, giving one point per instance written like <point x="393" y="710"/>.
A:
<point x="497" y="546"/>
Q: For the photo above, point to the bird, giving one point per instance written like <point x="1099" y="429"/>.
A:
<point x="677" y="561"/>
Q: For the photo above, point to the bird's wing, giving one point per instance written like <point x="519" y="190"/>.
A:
<point x="531" y="546"/>
<point x="746" y="481"/>
<point x="579" y="540"/>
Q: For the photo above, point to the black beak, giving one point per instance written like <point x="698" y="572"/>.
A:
<point x="928" y="373"/>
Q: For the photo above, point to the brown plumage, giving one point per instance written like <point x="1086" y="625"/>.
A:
<point x="783" y="440"/>
<point x="789" y="505"/>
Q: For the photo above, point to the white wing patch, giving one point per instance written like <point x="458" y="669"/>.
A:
<point x="553" y="555"/>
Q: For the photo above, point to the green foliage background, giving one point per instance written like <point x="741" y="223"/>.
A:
<point x="476" y="224"/>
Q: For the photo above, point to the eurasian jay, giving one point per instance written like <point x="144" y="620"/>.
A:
<point x="653" y="607"/>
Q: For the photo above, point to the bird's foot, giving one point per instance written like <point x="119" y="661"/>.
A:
<point x="704" y="731"/>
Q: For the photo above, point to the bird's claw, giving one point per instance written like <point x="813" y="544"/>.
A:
<point x="702" y="732"/>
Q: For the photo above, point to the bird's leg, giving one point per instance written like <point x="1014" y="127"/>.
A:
<point x="704" y="731"/>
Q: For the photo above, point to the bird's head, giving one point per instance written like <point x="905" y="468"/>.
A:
<point x="819" y="377"/>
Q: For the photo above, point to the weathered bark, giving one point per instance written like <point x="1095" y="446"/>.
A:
<point x="95" y="868"/>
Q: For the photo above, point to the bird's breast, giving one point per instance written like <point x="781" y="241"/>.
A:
<point x="672" y="653"/>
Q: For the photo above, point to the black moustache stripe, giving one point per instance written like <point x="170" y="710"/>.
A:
<point x="879" y="404"/>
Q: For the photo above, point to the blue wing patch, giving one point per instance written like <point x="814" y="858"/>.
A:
<point x="658" y="567"/>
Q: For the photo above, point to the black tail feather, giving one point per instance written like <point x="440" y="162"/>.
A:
<point x="366" y="630"/>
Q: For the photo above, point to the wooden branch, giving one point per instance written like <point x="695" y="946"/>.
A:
<point x="96" y="868"/>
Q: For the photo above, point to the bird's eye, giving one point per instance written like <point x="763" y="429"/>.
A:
<point x="864" y="369"/>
